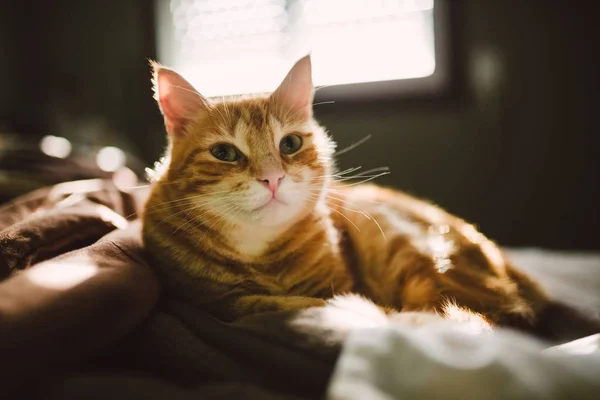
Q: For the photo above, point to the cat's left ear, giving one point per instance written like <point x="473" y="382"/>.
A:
<point x="296" y="91"/>
<point x="178" y="100"/>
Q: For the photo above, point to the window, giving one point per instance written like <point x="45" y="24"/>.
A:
<point x="227" y="47"/>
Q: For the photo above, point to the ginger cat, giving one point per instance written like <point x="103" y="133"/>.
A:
<point x="247" y="216"/>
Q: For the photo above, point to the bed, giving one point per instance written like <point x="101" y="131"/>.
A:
<point x="126" y="341"/>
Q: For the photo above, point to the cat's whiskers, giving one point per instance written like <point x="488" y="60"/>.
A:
<point x="347" y="219"/>
<point x="164" y="220"/>
<point x="193" y="221"/>
<point x="353" y="145"/>
<point x="359" y="210"/>
<point x="161" y="183"/>
<point x="338" y="174"/>
<point x="371" y="218"/>
<point x="316" y="217"/>
<point x="228" y="206"/>
<point x="341" y="193"/>
<point x="348" y="171"/>
<point x="344" y="216"/>
<point x="378" y="169"/>
<point x="196" y="206"/>
<point x="215" y="219"/>
<point x="368" y="179"/>
<point x="186" y="210"/>
<point x="186" y="199"/>
<point x="360" y="176"/>
<point x="237" y="213"/>
<point x="195" y="197"/>
<point x="321" y="102"/>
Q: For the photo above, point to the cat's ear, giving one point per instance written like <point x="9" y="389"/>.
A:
<point x="296" y="91"/>
<point x="178" y="100"/>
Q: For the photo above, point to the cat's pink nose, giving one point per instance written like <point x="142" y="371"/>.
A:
<point x="272" y="180"/>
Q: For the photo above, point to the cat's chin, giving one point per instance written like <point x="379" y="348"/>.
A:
<point x="275" y="213"/>
<point x="270" y="204"/>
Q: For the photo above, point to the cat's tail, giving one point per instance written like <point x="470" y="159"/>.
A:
<point x="558" y="322"/>
<point x="552" y="319"/>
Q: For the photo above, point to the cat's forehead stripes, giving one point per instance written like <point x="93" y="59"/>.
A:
<point x="252" y="128"/>
<point x="254" y="143"/>
<point x="256" y="115"/>
<point x="253" y="112"/>
<point x="240" y="133"/>
<point x="233" y="115"/>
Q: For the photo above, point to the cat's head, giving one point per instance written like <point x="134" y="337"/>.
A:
<point x="261" y="160"/>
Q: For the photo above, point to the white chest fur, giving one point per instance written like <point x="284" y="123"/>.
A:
<point x="253" y="241"/>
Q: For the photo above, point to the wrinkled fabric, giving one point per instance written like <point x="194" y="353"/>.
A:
<point x="80" y="314"/>
<point x="446" y="361"/>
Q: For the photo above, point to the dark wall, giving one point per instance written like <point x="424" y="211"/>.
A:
<point x="98" y="48"/>
<point x="512" y="147"/>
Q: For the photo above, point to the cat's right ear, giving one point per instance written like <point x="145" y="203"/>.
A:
<point x="296" y="91"/>
<point x="178" y="100"/>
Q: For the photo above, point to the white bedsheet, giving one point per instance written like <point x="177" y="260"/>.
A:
<point x="574" y="278"/>
<point x="449" y="361"/>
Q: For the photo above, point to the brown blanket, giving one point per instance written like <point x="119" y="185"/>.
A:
<point x="71" y="256"/>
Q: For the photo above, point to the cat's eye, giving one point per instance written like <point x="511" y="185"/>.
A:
<point x="225" y="152"/>
<point x="290" y="144"/>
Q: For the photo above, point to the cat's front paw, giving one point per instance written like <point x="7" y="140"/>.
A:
<point x="357" y="308"/>
<point x="459" y="316"/>
<point x="340" y="315"/>
<point x="415" y="318"/>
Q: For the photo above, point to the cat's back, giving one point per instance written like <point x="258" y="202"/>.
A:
<point x="415" y="255"/>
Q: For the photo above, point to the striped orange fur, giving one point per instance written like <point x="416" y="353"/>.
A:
<point x="271" y="231"/>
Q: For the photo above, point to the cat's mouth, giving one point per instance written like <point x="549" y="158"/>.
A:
<point x="272" y="202"/>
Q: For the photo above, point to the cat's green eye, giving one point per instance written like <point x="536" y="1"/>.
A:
<point x="290" y="144"/>
<point x="225" y="152"/>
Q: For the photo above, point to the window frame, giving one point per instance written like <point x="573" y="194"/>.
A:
<point x="435" y="85"/>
